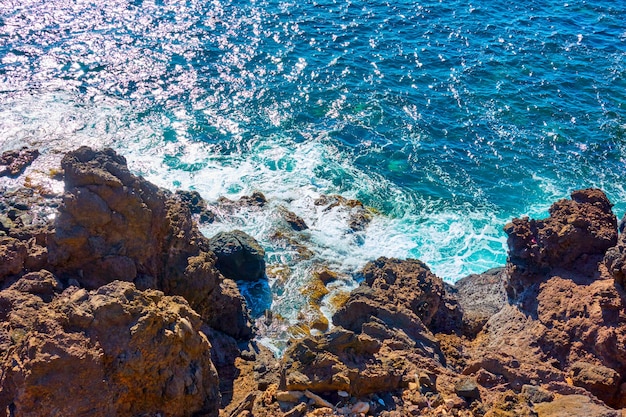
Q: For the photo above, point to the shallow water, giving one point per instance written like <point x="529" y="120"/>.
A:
<point x="446" y="119"/>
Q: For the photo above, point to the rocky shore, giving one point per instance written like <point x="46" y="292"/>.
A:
<point x="112" y="303"/>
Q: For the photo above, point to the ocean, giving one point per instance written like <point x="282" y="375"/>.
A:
<point x="445" y="119"/>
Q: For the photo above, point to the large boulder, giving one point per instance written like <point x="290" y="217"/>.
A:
<point x="577" y="230"/>
<point x="393" y="287"/>
<point x="381" y="340"/>
<point x="112" y="351"/>
<point x="239" y="255"/>
<point x="480" y="296"/>
<point x="564" y="326"/>
<point x="113" y="225"/>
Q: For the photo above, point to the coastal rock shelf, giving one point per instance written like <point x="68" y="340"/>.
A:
<point x="120" y="306"/>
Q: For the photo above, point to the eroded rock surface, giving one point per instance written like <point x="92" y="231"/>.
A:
<point x="382" y="340"/>
<point x="13" y="163"/>
<point x="111" y="351"/>
<point x="113" y="225"/>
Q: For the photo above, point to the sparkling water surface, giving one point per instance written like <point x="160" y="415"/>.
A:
<point x="447" y="119"/>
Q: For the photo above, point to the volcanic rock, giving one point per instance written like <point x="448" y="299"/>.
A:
<point x="112" y="351"/>
<point x="576" y="230"/>
<point x="380" y="340"/>
<point x="565" y="325"/>
<point x="393" y="288"/>
<point x="114" y="225"/>
<point x="13" y="163"/>
<point x="239" y="255"/>
<point x="479" y="296"/>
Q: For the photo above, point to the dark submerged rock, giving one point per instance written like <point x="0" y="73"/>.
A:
<point x="239" y="255"/>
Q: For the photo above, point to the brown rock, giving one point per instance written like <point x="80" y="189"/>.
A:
<point x="393" y="288"/>
<point x="42" y="284"/>
<point x="603" y="382"/>
<point x="576" y="229"/>
<point x="114" y="225"/>
<point x="297" y="411"/>
<point x="13" y="163"/>
<point x="467" y="388"/>
<point x="359" y="216"/>
<point x="536" y="394"/>
<point x="113" y="351"/>
<point x="13" y="254"/>
<point x="381" y="343"/>
<point x="573" y="406"/>
<point x="296" y="222"/>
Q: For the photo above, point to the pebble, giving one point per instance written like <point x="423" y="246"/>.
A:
<point x="289" y="396"/>
<point x="361" y="407"/>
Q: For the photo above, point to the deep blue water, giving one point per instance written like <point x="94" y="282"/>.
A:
<point x="446" y="118"/>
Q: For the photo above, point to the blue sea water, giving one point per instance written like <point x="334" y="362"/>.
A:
<point x="446" y="118"/>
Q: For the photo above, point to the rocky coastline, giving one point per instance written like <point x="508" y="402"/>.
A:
<point x="112" y="303"/>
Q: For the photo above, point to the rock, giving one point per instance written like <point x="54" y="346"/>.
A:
<point x="296" y="222"/>
<point x="480" y="296"/>
<point x="359" y="217"/>
<point x="391" y="286"/>
<point x="576" y="229"/>
<point x="196" y="205"/>
<point x="379" y="341"/>
<point x="239" y="256"/>
<point x="536" y="394"/>
<point x="332" y="362"/>
<point x="245" y="406"/>
<point x="615" y="261"/>
<point x="42" y="284"/>
<point x="601" y="381"/>
<point x="317" y="400"/>
<point x="289" y="396"/>
<point x="15" y="162"/>
<point x="114" y="225"/>
<point x="113" y="351"/>
<point x="13" y="254"/>
<point x="254" y="201"/>
<point x="297" y="411"/>
<point x="573" y="406"/>
<point x="360" y="407"/>
<point x="468" y="389"/>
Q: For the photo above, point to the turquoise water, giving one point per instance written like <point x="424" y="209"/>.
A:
<point x="446" y="118"/>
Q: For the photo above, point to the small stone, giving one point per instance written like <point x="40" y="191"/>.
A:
<point x="289" y="396"/>
<point x="427" y="380"/>
<point x="343" y="394"/>
<point x="319" y="401"/>
<point x="536" y="394"/>
<point x="467" y="388"/>
<point x="296" y="222"/>
<point x="297" y="411"/>
<point x="361" y="407"/>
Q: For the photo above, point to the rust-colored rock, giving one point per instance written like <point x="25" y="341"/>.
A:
<point x="114" y="225"/>
<point x="112" y="351"/>
<point x="382" y="341"/>
<point x="393" y="288"/>
<point x="577" y="230"/>
<point x="13" y="163"/>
